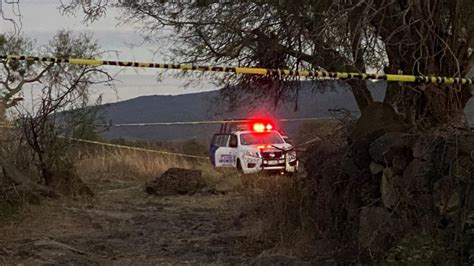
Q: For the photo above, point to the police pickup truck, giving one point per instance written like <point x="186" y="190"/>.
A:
<point x="252" y="146"/>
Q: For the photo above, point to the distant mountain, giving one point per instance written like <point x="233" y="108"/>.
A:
<point x="206" y="106"/>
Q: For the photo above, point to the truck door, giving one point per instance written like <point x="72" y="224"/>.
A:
<point x="213" y="148"/>
<point x="225" y="155"/>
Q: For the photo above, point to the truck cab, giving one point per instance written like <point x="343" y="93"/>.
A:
<point x="252" y="148"/>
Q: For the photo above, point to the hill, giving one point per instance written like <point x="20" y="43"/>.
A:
<point x="208" y="106"/>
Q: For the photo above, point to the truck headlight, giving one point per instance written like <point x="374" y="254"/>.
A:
<point x="291" y="155"/>
<point x="251" y="154"/>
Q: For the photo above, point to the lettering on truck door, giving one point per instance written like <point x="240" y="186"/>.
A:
<point x="224" y="155"/>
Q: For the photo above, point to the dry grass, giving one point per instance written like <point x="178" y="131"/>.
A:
<point x="285" y="205"/>
<point x="274" y="196"/>
<point x="127" y="164"/>
<point x="282" y="210"/>
<point x="138" y="166"/>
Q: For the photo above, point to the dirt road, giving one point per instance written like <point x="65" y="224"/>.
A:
<point x="125" y="226"/>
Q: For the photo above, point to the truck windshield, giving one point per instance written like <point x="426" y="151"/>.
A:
<point x="264" y="138"/>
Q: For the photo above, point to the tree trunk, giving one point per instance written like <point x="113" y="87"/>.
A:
<point x="3" y="116"/>
<point x="361" y="93"/>
<point x="428" y="105"/>
<point x="359" y="87"/>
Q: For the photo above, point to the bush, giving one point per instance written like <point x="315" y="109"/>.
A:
<point x="38" y="165"/>
<point x="416" y="197"/>
<point x="301" y="211"/>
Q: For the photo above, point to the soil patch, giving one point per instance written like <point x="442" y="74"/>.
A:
<point x="126" y="226"/>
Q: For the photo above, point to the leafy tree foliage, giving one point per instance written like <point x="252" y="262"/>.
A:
<point x="409" y="37"/>
<point x="68" y="84"/>
<point x="419" y="37"/>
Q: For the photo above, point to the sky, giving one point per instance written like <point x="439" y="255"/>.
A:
<point x="41" y="19"/>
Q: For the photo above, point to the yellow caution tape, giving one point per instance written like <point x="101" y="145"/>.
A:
<point x="127" y="147"/>
<point x="246" y="70"/>
<point x="138" y="149"/>
<point x="208" y="122"/>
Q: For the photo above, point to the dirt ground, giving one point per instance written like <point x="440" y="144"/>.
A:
<point x="125" y="226"/>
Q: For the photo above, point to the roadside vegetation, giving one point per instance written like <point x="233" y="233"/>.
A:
<point x="36" y="157"/>
<point x="414" y="205"/>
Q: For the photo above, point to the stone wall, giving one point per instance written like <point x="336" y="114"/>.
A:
<point x="390" y="193"/>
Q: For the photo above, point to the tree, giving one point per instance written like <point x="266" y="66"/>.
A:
<point x="13" y="74"/>
<point x="419" y="37"/>
<point x="410" y="37"/>
<point x="83" y="121"/>
<point x="59" y="88"/>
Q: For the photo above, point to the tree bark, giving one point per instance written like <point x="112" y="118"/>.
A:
<point x="425" y="105"/>
<point x="359" y="87"/>
<point x="361" y="93"/>
<point x="3" y="116"/>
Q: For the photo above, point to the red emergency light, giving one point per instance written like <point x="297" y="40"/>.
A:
<point x="258" y="127"/>
<point x="261" y="147"/>
<point x="261" y="127"/>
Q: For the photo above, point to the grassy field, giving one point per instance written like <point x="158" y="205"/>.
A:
<point x="236" y="219"/>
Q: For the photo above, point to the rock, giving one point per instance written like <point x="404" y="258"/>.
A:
<point x="386" y="147"/>
<point x="376" y="229"/>
<point x="176" y="181"/>
<point x="422" y="150"/>
<point x="376" y="168"/>
<point x="388" y="188"/>
<point x="415" y="176"/>
<point x="376" y="120"/>
<point x="466" y="143"/>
